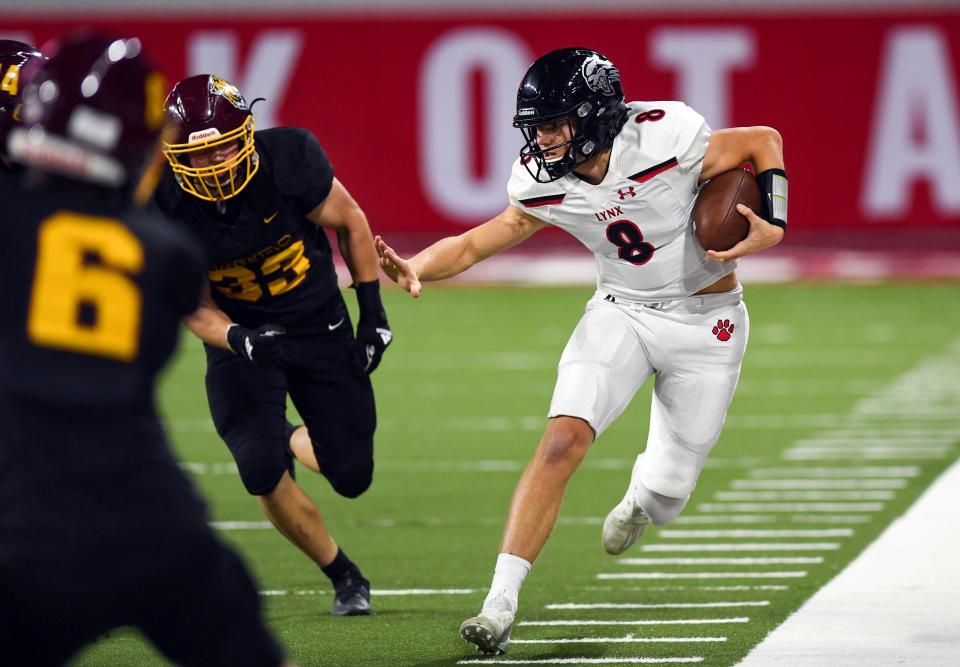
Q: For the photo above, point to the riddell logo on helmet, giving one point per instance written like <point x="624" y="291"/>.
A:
<point x="526" y="112"/>
<point x="200" y="135"/>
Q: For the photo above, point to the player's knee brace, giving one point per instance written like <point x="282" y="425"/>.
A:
<point x="351" y="480"/>
<point x="660" y="508"/>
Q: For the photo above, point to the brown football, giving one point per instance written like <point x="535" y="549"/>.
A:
<point x="718" y="224"/>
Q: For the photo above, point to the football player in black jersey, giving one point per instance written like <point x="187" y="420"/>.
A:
<point x="99" y="526"/>
<point x="273" y="321"/>
<point x="15" y="58"/>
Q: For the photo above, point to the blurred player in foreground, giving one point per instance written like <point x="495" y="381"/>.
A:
<point x="273" y="319"/>
<point x="622" y="178"/>
<point x="15" y="58"/>
<point x="100" y="527"/>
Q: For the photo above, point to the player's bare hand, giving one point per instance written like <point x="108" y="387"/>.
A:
<point x="397" y="269"/>
<point x="762" y="235"/>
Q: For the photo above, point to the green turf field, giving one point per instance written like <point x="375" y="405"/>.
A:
<point x="847" y="409"/>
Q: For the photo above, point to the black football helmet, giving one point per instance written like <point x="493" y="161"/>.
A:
<point x="574" y="85"/>
<point x="93" y="113"/>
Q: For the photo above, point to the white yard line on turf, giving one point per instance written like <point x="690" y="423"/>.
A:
<point x="666" y="605"/>
<point x="804" y="495"/>
<point x="678" y="621"/>
<point x="581" y="661"/>
<point x="669" y="533"/>
<point x="822" y="472"/>
<point x="727" y="519"/>
<point x="781" y="484"/>
<point x="790" y="507"/>
<point x="891" y="453"/>
<point x="780" y="560"/>
<point x="896" y="604"/>
<point x="629" y="639"/>
<point x="744" y="546"/>
<point x="377" y="591"/>
<point x="794" y="574"/>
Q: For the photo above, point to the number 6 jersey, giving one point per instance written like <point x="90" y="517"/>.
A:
<point x="637" y="221"/>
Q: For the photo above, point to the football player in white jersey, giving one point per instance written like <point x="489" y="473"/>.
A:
<point x="622" y="178"/>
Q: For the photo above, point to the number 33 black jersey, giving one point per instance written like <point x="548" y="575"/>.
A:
<point x="266" y="262"/>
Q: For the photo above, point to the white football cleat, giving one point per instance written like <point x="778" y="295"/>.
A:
<point x="623" y="525"/>
<point x="490" y="631"/>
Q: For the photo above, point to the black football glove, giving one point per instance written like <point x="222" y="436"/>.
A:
<point x="262" y="346"/>
<point x="373" y="331"/>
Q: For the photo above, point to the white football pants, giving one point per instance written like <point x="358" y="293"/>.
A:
<point x="694" y="346"/>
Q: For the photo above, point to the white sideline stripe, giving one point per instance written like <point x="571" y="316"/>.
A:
<point x="666" y="605"/>
<point x="804" y="495"/>
<point x="781" y="484"/>
<point x="794" y="574"/>
<point x="779" y="560"/>
<point x="827" y="473"/>
<point x="680" y="621"/>
<point x="790" y="507"/>
<point x="668" y="533"/>
<point x="629" y="639"/>
<point x="864" y="616"/>
<point x="745" y="546"/>
<point x="377" y="591"/>
<point x="580" y="661"/>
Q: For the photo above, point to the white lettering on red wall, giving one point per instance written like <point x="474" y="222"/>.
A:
<point x="704" y="60"/>
<point x="916" y="126"/>
<point x="446" y="112"/>
<point x="269" y="65"/>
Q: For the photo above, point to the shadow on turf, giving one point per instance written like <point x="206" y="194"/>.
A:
<point x="586" y="651"/>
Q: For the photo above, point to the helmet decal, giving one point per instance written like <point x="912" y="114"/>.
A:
<point x="229" y="91"/>
<point x="600" y="74"/>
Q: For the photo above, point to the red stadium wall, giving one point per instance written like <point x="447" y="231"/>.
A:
<point x="415" y="112"/>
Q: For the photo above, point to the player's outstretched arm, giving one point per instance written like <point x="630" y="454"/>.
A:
<point x="455" y="254"/>
<point x="728" y="149"/>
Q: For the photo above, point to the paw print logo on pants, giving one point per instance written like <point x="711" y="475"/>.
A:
<point x="723" y="330"/>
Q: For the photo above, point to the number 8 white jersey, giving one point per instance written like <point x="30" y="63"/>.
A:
<point x="637" y="221"/>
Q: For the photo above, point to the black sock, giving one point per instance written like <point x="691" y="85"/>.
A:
<point x="339" y="566"/>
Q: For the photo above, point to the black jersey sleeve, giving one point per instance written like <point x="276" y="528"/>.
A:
<point x="304" y="171"/>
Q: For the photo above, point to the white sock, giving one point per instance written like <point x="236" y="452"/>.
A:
<point x="508" y="577"/>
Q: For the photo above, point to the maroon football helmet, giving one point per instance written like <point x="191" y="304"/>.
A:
<point x="17" y="62"/>
<point x="212" y="153"/>
<point x="92" y="112"/>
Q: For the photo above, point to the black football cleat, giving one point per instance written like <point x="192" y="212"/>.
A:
<point x="351" y="595"/>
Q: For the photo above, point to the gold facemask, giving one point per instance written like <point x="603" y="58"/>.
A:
<point x="220" y="181"/>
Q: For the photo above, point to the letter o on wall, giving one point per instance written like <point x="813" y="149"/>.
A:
<point x="446" y="114"/>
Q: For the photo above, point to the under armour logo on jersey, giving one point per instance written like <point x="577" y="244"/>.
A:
<point x="625" y="192"/>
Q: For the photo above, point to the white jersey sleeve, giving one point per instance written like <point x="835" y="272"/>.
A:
<point x="530" y="196"/>
<point x="692" y="138"/>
